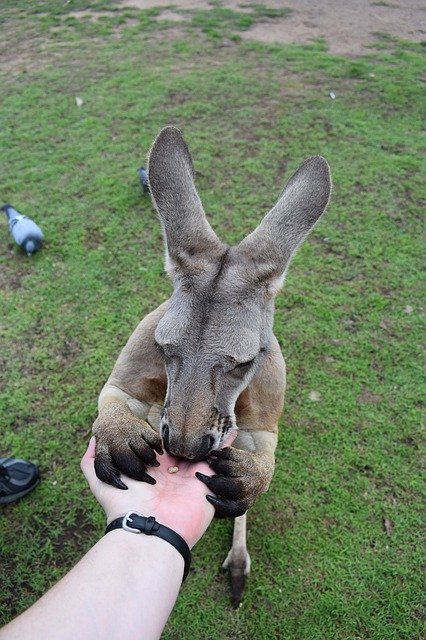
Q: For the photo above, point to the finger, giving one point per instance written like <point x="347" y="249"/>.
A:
<point x="224" y="467"/>
<point x="225" y="508"/>
<point x="222" y="486"/>
<point x="107" y="471"/>
<point x="230" y="453"/>
<point x="89" y="455"/>
<point x="144" y="452"/>
<point x="91" y="448"/>
<point x="131" y="465"/>
<point x="158" y="448"/>
<point x="153" y="439"/>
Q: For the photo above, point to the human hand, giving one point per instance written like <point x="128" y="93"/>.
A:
<point x="177" y="500"/>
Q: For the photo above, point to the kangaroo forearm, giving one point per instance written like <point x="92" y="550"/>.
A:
<point x="256" y="441"/>
<point x="112" y="394"/>
<point x="139" y="370"/>
<point x="262" y="445"/>
<point x="147" y="411"/>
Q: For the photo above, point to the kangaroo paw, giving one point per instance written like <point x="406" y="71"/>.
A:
<point x="238" y="565"/>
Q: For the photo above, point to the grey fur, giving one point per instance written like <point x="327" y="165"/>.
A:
<point x="183" y="358"/>
<point x="221" y="312"/>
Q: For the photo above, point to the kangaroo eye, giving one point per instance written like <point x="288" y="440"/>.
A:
<point x="169" y="350"/>
<point x="245" y="365"/>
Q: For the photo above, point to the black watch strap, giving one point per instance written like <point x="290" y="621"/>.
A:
<point x="137" y="523"/>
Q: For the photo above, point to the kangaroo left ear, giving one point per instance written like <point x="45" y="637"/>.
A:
<point x="188" y="235"/>
<point x="267" y="252"/>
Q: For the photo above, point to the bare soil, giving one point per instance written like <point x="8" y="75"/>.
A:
<point x="348" y="27"/>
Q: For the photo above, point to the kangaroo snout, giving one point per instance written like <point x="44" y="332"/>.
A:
<point x="192" y="447"/>
<point x="196" y="443"/>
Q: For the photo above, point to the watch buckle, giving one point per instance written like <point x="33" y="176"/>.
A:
<point x="127" y="518"/>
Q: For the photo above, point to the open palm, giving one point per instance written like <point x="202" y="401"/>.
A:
<point x="177" y="500"/>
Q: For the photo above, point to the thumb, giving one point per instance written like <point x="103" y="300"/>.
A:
<point x="87" y="463"/>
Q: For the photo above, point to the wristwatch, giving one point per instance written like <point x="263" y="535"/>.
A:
<point x="135" y="522"/>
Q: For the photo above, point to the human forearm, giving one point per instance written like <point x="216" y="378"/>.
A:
<point x="127" y="584"/>
<point x="124" y="587"/>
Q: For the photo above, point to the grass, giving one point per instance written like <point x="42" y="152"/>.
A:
<point x="335" y="543"/>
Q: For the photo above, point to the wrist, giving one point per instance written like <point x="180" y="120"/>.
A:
<point x="137" y="524"/>
<point x="138" y="548"/>
<point x="187" y="528"/>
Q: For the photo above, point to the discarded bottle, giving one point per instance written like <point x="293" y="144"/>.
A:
<point x="143" y="177"/>
<point x="25" y="232"/>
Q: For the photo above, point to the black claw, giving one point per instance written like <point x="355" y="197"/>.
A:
<point x="223" y="486"/>
<point x="224" y="467"/>
<point x="148" y="479"/>
<point x="145" y="454"/>
<point x="202" y="477"/>
<point x="220" y="453"/>
<point x="220" y="507"/>
<point x="108" y="473"/>
<point x="118" y="483"/>
<point x="225" y="508"/>
<point x="158" y="448"/>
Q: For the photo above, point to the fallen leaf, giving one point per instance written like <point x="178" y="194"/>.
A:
<point x="314" y="396"/>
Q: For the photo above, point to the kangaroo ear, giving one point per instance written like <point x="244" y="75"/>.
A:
<point x="266" y="253"/>
<point x="189" y="237"/>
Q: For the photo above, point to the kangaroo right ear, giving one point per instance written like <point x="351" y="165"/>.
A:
<point x="188" y="235"/>
<point x="267" y="251"/>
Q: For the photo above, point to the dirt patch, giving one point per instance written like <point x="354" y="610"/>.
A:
<point x="88" y="13"/>
<point x="181" y="4"/>
<point x="368" y="397"/>
<point x="172" y="16"/>
<point x="347" y="27"/>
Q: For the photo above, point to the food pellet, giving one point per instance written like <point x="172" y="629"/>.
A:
<point x="173" y="469"/>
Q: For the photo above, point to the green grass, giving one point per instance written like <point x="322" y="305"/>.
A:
<point x="349" y="319"/>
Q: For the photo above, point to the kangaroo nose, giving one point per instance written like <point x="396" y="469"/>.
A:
<point x="192" y="448"/>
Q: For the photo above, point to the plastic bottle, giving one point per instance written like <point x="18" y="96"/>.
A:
<point x="25" y="232"/>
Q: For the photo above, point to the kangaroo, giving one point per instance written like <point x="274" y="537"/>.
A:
<point x="205" y="366"/>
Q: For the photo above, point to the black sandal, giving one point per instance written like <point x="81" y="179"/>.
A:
<point x="17" y="478"/>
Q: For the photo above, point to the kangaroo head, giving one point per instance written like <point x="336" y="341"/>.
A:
<point x="218" y="324"/>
